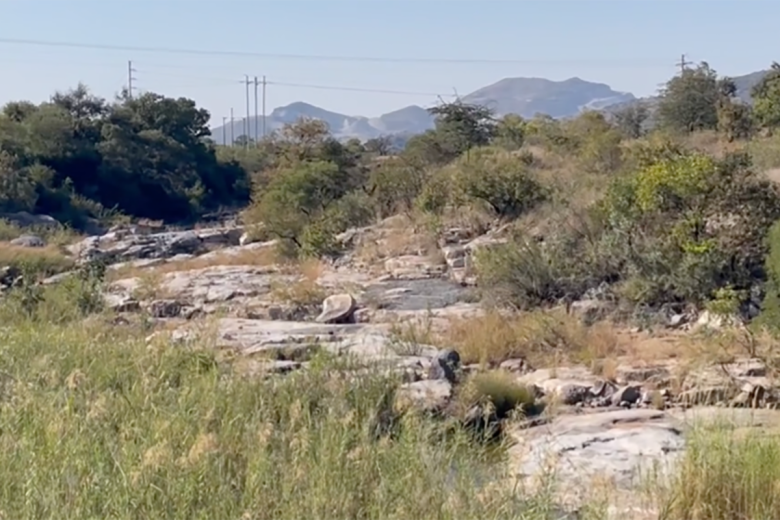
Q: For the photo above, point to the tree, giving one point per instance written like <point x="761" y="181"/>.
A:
<point x="148" y="157"/>
<point x="630" y="120"/>
<point x="379" y="145"/>
<point x="766" y="99"/>
<point x="688" y="102"/>
<point x="298" y="199"/>
<point x="735" y="119"/>
<point x="464" y="126"/>
<point x="510" y="132"/>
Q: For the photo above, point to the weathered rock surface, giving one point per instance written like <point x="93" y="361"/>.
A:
<point x="130" y="244"/>
<point x="338" y="308"/>
<point x="28" y="241"/>
<point x="615" y="450"/>
<point x="617" y="444"/>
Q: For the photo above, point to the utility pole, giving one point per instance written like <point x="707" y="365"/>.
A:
<point x="224" y="130"/>
<point x="232" y="137"/>
<point x="257" y="121"/>
<point x="246" y="125"/>
<point x="130" y="78"/>
<point x="264" y="106"/>
<point x="683" y="63"/>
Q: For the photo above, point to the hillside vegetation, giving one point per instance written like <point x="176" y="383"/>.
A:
<point x="100" y="418"/>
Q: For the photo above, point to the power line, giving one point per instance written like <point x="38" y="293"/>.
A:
<point x="308" y="57"/>
<point x="298" y="85"/>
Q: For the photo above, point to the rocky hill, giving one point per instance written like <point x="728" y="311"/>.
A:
<point x="524" y="96"/>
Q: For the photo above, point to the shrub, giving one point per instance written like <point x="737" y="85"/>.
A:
<point x="769" y="317"/>
<point x="497" y="178"/>
<point x="298" y="205"/>
<point x="692" y="225"/>
<point x="521" y="274"/>
<point x="395" y="184"/>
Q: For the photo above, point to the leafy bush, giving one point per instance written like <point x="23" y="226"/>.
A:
<point x="693" y="224"/>
<point x="500" y="180"/>
<point x="769" y="317"/>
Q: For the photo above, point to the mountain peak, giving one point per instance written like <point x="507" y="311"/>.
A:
<point x="525" y="96"/>
<point x="530" y="96"/>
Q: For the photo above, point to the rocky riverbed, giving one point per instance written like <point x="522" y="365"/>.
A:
<point x="278" y="317"/>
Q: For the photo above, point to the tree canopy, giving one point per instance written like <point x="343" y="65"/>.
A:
<point x="79" y="156"/>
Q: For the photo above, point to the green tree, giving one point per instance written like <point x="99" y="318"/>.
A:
<point x="499" y="180"/>
<point x="510" y="132"/>
<point x="688" y="102"/>
<point x="766" y="99"/>
<point x="459" y="128"/>
<point x="148" y="157"/>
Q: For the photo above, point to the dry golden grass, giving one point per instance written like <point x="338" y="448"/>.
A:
<point x="398" y="236"/>
<point x="304" y="293"/>
<point x="46" y="260"/>
<point x="552" y="338"/>
<point x="544" y="338"/>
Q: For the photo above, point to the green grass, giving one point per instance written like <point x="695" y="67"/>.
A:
<point x="725" y="475"/>
<point x="95" y="423"/>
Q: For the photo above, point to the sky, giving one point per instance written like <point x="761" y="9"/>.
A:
<point x="368" y="57"/>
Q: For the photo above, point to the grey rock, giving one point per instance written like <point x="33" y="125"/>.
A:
<point x="572" y="393"/>
<point x="338" y="308"/>
<point x="515" y="365"/>
<point x="617" y="444"/>
<point x="432" y="395"/>
<point x="28" y="241"/>
<point x="629" y="395"/>
<point x="165" y="308"/>
<point x="445" y="365"/>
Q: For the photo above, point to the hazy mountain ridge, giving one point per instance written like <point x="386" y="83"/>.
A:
<point x="523" y="96"/>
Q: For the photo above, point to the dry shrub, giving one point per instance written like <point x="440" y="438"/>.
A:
<point x="498" y="389"/>
<point x="541" y="337"/>
<point x="305" y="293"/>
<point x="397" y="236"/>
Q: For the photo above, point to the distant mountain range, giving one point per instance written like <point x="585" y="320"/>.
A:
<point x="523" y="96"/>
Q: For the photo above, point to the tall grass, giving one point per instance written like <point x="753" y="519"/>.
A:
<point x="96" y="423"/>
<point x="725" y="475"/>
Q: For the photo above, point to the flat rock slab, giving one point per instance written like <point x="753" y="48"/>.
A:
<point x="617" y="445"/>
<point x="363" y="341"/>
<point x="416" y="295"/>
<point x="620" y="445"/>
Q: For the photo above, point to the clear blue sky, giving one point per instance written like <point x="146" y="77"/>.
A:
<point x="631" y="45"/>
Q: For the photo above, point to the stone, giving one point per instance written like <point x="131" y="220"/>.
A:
<point x="165" y="308"/>
<point x="445" y="365"/>
<point x="337" y="308"/>
<point x="431" y="395"/>
<point x="515" y="365"/>
<point x="629" y="394"/>
<point x="28" y="241"/>
<point x="412" y="267"/>
<point x="119" y="245"/>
